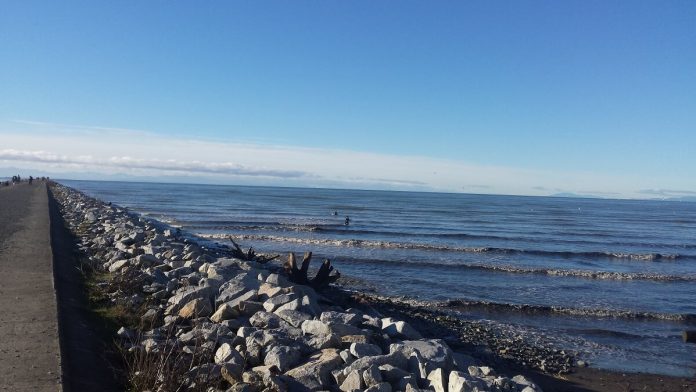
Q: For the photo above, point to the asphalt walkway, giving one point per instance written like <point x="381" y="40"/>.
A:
<point x="29" y="343"/>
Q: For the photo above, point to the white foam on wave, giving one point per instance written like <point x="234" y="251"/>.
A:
<point x="433" y="247"/>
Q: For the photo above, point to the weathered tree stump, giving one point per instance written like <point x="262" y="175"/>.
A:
<point x="299" y="275"/>
<point x="689" y="336"/>
<point x="249" y="255"/>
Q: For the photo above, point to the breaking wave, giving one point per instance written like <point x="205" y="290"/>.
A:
<point x="443" y="248"/>
<point x="603" y="275"/>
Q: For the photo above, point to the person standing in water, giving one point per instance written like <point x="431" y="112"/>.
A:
<point x="347" y="220"/>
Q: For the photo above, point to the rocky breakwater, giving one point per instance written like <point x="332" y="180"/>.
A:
<point x="210" y="322"/>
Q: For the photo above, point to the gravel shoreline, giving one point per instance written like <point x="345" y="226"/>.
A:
<point x="211" y="322"/>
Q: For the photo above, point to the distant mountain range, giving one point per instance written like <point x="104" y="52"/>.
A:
<point x="583" y="196"/>
<point x="681" y="198"/>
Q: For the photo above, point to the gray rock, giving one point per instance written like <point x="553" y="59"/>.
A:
<point x="146" y="260"/>
<point x="240" y="386"/>
<point x="408" y="383"/>
<point x="235" y="287"/>
<point x="248" y="308"/>
<point x="118" y="265"/>
<point x="267" y="290"/>
<point x="349" y="339"/>
<point x="137" y="236"/>
<point x="279" y="300"/>
<point x="277" y="280"/>
<point x="372" y="322"/>
<point x="232" y="324"/>
<point x="184" y="296"/>
<point x="310" y="304"/>
<point x="151" y="249"/>
<point x="293" y="317"/>
<point x="524" y="383"/>
<point x="438" y="380"/>
<point x="225" y="353"/>
<point x="459" y="382"/>
<point x="151" y="317"/>
<point x="399" y="329"/>
<point x="265" y="320"/>
<point x="315" y="327"/>
<point x="504" y="384"/>
<point x="250" y="295"/>
<point x="177" y="273"/>
<point x="295" y="304"/>
<point x="487" y="371"/>
<point x="316" y="372"/>
<point x="283" y="357"/>
<point x="381" y="387"/>
<point x="345" y="329"/>
<point x="198" y="307"/>
<point x="338" y="376"/>
<point x="224" y="312"/>
<point x="417" y="366"/>
<point x="434" y="352"/>
<point x="372" y="376"/>
<point x="352" y="383"/>
<point x="360" y="350"/>
<point x="392" y="374"/>
<point x="123" y="246"/>
<point x="245" y="332"/>
<point x="320" y="342"/>
<point x="347" y="357"/>
<point x="207" y="373"/>
<point x="395" y="359"/>
<point x="339" y="317"/>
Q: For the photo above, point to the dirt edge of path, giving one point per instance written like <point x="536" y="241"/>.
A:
<point x="89" y="360"/>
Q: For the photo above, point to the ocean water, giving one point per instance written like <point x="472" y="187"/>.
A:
<point x="614" y="280"/>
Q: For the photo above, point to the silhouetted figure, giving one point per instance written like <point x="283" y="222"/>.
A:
<point x="31" y="179"/>
<point x="347" y="222"/>
<point x="335" y="213"/>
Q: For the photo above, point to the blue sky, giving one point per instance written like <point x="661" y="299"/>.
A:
<point x="583" y="96"/>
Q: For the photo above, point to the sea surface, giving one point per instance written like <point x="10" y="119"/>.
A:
<point x="614" y="280"/>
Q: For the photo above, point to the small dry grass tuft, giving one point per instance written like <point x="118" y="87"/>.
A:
<point x="169" y="367"/>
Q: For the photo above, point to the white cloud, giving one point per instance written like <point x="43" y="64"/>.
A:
<point x="125" y="162"/>
<point x="65" y="148"/>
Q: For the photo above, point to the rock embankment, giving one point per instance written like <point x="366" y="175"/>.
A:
<point x="210" y="322"/>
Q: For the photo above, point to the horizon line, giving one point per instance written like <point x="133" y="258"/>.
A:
<point x="559" y="195"/>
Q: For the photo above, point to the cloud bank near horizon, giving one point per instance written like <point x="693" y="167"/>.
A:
<point x="112" y="151"/>
<point x="129" y="163"/>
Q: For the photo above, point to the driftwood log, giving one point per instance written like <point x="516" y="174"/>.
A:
<point x="299" y="275"/>
<point x="249" y="255"/>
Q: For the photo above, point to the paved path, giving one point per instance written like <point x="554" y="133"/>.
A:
<point x="29" y="348"/>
